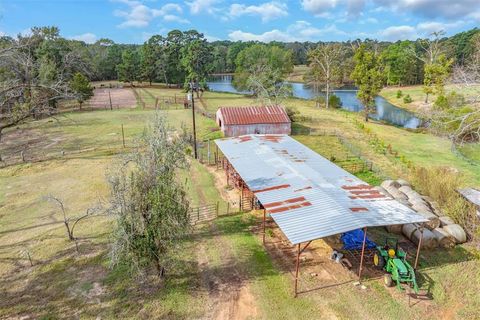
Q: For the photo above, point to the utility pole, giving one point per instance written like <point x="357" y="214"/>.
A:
<point x="193" y="119"/>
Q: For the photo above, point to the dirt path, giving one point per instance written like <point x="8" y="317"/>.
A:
<point x="228" y="288"/>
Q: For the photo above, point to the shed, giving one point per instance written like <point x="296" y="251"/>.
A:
<point x="308" y="196"/>
<point x="237" y="121"/>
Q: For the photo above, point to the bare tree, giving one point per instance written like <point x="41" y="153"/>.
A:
<point x="71" y="222"/>
<point x="268" y="91"/>
<point x="325" y="63"/>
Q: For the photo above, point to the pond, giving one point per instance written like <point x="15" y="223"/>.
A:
<point x="385" y="111"/>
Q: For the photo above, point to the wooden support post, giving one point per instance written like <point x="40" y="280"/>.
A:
<point x="156" y="103"/>
<point x="418" y="249"/>
<point x="264" y="218"/>
<point x="363" y="252"/>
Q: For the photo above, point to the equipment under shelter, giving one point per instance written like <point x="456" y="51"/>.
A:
<point x="306" y="195"/>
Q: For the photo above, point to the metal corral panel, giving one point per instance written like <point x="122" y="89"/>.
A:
<point x="308" y="196"/>
<point x="472" y="195"/>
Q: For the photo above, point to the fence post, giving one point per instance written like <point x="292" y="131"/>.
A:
<point x="228" y="208"/>
<point x="216" y="209"/>
<point x="156" y="103"/>
<point x="208" y="152"/>
<point x="123" y="136"/>
<point x="198" y="213"/>
<point x="110" y="98"/>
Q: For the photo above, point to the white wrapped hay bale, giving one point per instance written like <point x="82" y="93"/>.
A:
<point x="383" y="191"/>
<point x="421" y="207"/>
<point x="429" y="240"/>
<point x="445" y="221"/>
<point x="405" y="189"/>
<point x="457" y="232"/>
<point x="397" y="228"/>
<point x="433" y="221"/>
<point x="413" y="233"/>
<point x="403" y="183"/>
<point x="396" y="194"/>
<point x="390" y="184"/>
<point x="444" y="239"/>
<point x="408" y="229"/>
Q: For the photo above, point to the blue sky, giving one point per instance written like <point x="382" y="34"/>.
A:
<point x="134" y="21"/>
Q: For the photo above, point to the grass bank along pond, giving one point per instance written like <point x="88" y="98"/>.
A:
<point x="385" y="111"/>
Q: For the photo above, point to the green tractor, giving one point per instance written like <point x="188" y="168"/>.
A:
<point x="392" y="259"/>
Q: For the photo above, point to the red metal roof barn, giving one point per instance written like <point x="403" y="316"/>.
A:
<point x="237" y="121"/>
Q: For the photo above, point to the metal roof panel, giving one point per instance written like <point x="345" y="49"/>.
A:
<point x="308" y="196"/>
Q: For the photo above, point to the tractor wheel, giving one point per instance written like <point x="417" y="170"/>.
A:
<point x="387" y="279"/>
<point x="378" y="261"/>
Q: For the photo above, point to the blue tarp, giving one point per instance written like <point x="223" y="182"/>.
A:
<point x="353" y="240"/>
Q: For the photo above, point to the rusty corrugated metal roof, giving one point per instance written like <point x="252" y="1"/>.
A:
<point x="308" y="196"/>
<point x="254" y="115"/>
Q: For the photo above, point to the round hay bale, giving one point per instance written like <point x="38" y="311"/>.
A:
<point x="457" y="232"/>
<point x="396" y="194"/>
<point x="405" y="202"/>
<point x="390" y="184"/>
<point x="445" y="221"/>
<point x="405" y="189"/>
<point x="397" y="228"/>
<point x="420" y="206"/>
<point x="433" y="221"/>
<point x="383" y="191"/>
<point x="408" y="229"/>
<point x="429" y="240"/>
<point x="444" y="239"/>
<point x="403" y="183"/>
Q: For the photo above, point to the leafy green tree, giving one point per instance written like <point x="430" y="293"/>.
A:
<point x="325" y="62"/>
<point x="81" y="88"/>
<point x="400" y="63"/>
<point x="368" y="77"/>
<point x="435" y="75"/>
<point x="197" y="61"/>
<point x="128" y="70"/>
<point x="149" y="201"/>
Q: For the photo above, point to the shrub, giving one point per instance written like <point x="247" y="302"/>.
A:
<point x="440" y="184"/>
<point x="407" y="99"/>
<point x="399" y="94"/>
<point x="441" y="102"/>
<point x="334" y="101"/>
<point x="292" y="113"/>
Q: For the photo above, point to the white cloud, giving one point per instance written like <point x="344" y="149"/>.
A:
<point x="318" y="7"/>
<point x="199" y="6"/>
<point x="2" y="33"/>
<point x="355" y="7"/>
<point x="395" y="33"/>
<point x="268" y="11"/>
<point x="174" y="18"/>
<point x="299" y="31"/>
<point x="86" y="37"/>
<point x="421" y="30"/>
<point x="448" y="9"/>
<point x="139" y="15"/>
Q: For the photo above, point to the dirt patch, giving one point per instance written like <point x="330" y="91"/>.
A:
<point x="120" y="97"/>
